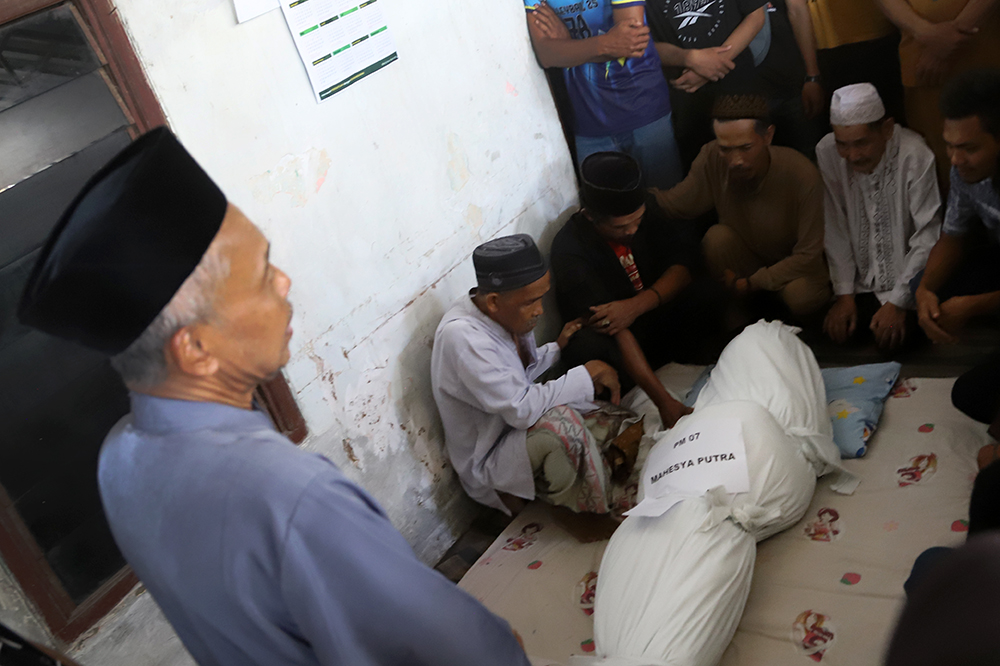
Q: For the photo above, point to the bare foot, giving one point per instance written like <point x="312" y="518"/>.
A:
<point x="585" y="527"/>
<point x="513" y="503"/>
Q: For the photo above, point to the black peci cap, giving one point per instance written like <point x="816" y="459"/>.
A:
<point x="612" y="184"/>
<point x="508" y="263"/>
<point x="124" y="246"/>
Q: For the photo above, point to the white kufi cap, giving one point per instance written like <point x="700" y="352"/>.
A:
<point x="856" y="104"/>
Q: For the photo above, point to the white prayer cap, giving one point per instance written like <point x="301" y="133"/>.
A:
<point x="856" y="104"/>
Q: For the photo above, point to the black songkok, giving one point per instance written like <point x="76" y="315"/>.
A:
<point x="612" y="184"/>
<point x="124" y="246"/>
<point x="508" y="263"/>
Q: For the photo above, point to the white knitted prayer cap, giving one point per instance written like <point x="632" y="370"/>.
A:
<point x="856" y="105"/>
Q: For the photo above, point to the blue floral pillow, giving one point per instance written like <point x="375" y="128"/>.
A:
<point x="856" y="396"/>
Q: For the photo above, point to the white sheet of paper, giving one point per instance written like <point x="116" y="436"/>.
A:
<point x="689" y="462"/>
<point x="340" y="41"/>
<point x="251" y="9"/>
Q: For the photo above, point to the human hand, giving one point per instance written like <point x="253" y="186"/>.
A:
<point x="711" y="63"/>
<point x="955" y="314"/>
<point x="627" y="39"/>
<point x="614" y="317"/>
<point x="813" y="99"/>
<point x="889" y="326"/>
<point x="673" y="412"/>
<point x="928" y="312"/>
<point x="739" y="286"/>
<point x="549" y="23"/>
<point x="604" y="378"/>
<point x="568" y="331"/>
<point x="842" y="319"/>
<point x="690" y="81"/>
<point x="937" y="44"/>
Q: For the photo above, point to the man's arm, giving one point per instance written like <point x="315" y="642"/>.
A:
<point x="938" y="42"/>
<point x="807" y="254"/>
<point x="619" y="315"/>
<point x="637" y="367"/>
<point x="902" y="15"/>
<point x="837" y="231"/>
<point x="358" y="594"/>
<point x="712" y="63"/>
<point x="813" y="95"/>
<point x="738" y="40"/>
<point x="943" y="258"/>
<point x="500" y="389"/>
<point x="692" y="196"/>
<point x="973" y="13"/>
<point x="925" y="210"/>
<point x="554" y="46"/>
<point x="744" y="33"/>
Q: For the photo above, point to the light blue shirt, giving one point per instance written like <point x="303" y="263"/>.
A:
<point x="260" y="553"/>
<point x="968" y="201"/>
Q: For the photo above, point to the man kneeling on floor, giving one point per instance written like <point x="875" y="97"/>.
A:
<point x="511" y="439"/>
<point x="883" y="216"/>
<point x="769" y="239"/>
<point x="627" y="268"/>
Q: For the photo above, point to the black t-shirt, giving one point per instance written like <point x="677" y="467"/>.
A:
<point x="702" y="24"/>
<point x="783" y="70"/>
<point x="587" y="272"/>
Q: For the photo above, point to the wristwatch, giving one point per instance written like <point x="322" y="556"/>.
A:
<point x="812" y="79"/>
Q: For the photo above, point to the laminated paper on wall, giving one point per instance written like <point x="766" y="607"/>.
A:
<point x="340" y="41"/>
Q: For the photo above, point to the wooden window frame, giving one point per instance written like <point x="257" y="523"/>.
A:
<point x="18" y="548"/>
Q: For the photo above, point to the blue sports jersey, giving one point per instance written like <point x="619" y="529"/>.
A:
<point x="614" y="96"/>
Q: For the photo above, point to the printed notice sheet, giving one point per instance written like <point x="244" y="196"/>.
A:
<point x="690" y="462"/>
<point x="251" y="9"/>
<point x="340" y="41"/>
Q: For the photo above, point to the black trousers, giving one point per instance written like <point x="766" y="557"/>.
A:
<point x="977" y="392"/>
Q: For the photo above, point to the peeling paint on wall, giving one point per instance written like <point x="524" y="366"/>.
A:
<point x="474" y="217"/>
<point x="298" y="176"/>
<point x="458" y="164"/>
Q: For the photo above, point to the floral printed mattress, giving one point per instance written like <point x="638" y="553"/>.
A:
<point x="827" y="590"/>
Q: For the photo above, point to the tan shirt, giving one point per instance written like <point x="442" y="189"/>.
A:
<point x="781" y="221"/>
<point x="983" y="50"/>
<point x="840" y="22"/>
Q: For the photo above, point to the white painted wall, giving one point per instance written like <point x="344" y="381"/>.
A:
<point x="374" y="201"/>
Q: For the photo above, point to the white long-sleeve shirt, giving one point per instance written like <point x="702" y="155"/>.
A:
<point x="880" y="227"/>
<point x="488" y="399"/>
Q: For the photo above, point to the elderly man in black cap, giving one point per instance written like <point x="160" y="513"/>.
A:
<point x="483" y="370"/>
<point x="258" y="552"/>
<point x="627" y="269"/>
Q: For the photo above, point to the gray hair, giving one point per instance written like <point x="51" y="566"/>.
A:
<point x="144" y="363"/>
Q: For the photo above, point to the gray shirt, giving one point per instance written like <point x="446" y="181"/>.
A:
<point x="969" y="201"/>
<point x="488" y="399"/>
<point x="259" y="552"/>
